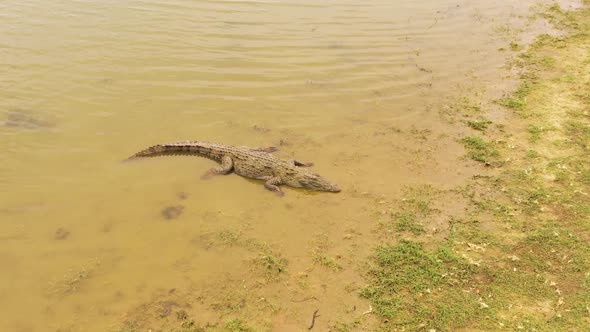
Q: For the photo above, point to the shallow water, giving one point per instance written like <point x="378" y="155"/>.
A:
<point x="87" y="241"/>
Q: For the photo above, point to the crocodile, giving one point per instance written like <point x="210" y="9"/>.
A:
<point x="255" y="163"/>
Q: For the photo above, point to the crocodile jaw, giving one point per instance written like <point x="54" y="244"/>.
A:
<point x="313" y="181"/>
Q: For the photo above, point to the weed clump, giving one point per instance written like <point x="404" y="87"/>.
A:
<point x="481" y="124"/>
<point x="271" y="266"/>
<point x="517" y="101"/>
<point x="406" y="221"/>
<point x="579" y="133"/>
<point x="480" y="150"/>
<point x="535" y="132"/>
<point x="321" y="256"/>
<point x="327" y="261"/>
<point x="514" y="46"/>
<point x="532" y="154"/>
<point x="236" y="325"/>
<point x="412" y="211"/>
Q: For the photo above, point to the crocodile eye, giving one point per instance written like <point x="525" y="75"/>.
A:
<point x="312" y="181"/>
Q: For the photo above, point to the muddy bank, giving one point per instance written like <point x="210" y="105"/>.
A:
<point x="517" y="254"/>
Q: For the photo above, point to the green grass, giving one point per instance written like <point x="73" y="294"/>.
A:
<point x="419" y="288"/>
<point x="480" y="150"/>
<point x="532" y="154"/>
<point x="561" y="19"/>
<point x="342" y="327"/>
<point x="585" y="176"/>
<point x="514" y="46"/>
<point x="579" y="133"/>
<point x="413" y="210"/>
<point x="517" y="100"/>
<point x="327" y="262"/>
<point x="467" y="105"/>
<point x="544" y="40"/>
<point x="189" y="326"/>
<point x="321" y="256"/>
<point x="407" y="222"/>
<point x="535" y="132"/>
<point x="271" y="265"/>
<point x="481" y="124"/>
<point x="236" y="325"/>
<point x="535" y="62"/>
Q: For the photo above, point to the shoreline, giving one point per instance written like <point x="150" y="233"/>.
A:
<point x="519" y="255"/>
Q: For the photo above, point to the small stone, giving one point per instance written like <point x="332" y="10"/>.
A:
<point x="61" y="234"/>
<point x="260" y="129"/>
<point x="172" y="212"/>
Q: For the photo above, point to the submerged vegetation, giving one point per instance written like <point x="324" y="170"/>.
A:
<point x="480" y="124"/>
<point x="480" y="150"/>
<point x="413" y="211"/>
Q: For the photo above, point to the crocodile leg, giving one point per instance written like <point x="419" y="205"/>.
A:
<point x="273" y="185"/>
<point x="300" y="164"/>
<point x="226" y="167"/>
<point x="268" y="149"/>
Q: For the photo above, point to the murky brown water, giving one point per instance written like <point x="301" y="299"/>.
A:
<point x="355" y="87"/>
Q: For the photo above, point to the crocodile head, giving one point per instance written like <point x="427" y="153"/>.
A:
<point x="313" y="181"/>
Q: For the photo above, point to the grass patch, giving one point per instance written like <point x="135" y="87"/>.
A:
<point x="190" y="326"/>
<point x="585" y="176"/>
<point x="236" y="325"/>
<point x="73" y="280"/>
<point x="417" y="288"/>
<point x="535" y="132"/>
<point x="413" y="210"/>
<point x="327" y="262"/>
<point x="464" y="105"/>
<point x="481" y="124"/>
<point x="532" y="154"/>
<point x="579" y="133"/>
<point x="561" y="19"/>
<point x="525" y="189"/>
<point x="515" y="47"/>
<point x="517" y="100"/>
<point x="271" y="266"/>
<point x="321" y="256"/>
<point x="407" y="222"/>
<point x="342" y="327"/>
<point x="480" y="150"/>
<point x="469" y="106"/>
<point x="544" y="40"/>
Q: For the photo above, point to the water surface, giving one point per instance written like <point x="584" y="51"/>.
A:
<point x="88" y="243"/>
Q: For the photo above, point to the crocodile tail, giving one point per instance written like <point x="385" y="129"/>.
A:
<point x="172" y="149"/>
<point x="152" y="151"/>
